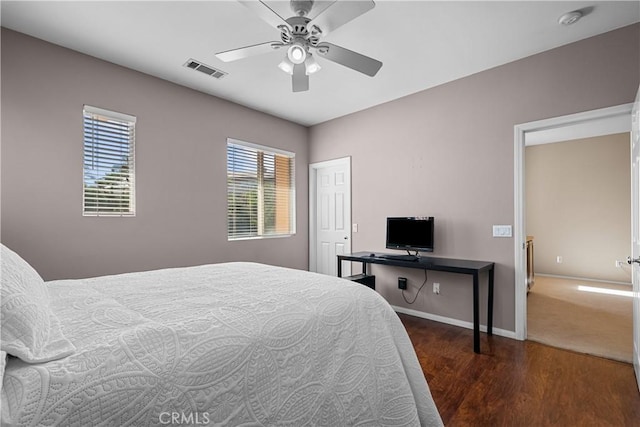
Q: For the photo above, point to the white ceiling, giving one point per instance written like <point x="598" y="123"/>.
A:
<point x="421" y="43"/>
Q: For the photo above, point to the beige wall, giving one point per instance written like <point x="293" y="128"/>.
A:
<point x="180" y="168"/>
<point x="578" y="206"/>
<point x="448" y="152"/>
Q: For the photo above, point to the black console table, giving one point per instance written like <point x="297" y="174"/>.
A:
<point x="462" y="266"/>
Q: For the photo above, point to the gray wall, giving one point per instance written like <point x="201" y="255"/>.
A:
<point x="578" y="206"/>
<point x="180" y="168"/>
<point x="448" y="152"/>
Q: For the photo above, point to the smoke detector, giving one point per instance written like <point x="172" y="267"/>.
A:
<point x="570" y="18"/>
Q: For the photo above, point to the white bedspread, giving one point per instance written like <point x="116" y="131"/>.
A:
<point x="237" y="344"/>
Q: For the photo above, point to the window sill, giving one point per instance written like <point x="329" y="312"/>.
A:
<point x="270" y="236"/>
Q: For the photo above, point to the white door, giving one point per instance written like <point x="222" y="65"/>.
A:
<point x="635" y="229"/>
<point x="330" y="215"/>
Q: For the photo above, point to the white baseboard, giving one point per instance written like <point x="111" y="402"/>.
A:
<point x="454" y="322"/>
<point x="584" y="279"/>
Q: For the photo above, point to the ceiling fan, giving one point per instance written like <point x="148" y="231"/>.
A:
<point x="302" y="36"/>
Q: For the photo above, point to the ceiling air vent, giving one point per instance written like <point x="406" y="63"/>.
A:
<point x="206" y="69"/>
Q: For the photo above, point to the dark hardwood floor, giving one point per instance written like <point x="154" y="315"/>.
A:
<point x="520" y="383"/>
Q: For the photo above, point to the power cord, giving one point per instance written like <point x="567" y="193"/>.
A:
<point x="416" y="297"/>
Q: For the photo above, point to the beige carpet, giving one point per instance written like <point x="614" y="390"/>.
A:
<point x="561" y="315"/>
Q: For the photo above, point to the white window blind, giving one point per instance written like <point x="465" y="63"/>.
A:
<point x="260" y="191"/>
<point x="109" y="175"/>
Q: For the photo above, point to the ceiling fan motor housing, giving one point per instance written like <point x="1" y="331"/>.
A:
<point x="298" y="32"/>
<point x="298" y="25"/>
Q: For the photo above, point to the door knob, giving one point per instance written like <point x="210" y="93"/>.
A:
<point x="346" y="237"/>
<point x="630" y="261"/>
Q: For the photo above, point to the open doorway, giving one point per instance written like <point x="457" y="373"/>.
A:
<point x="604" y="121"/>
<point x="578" y="216"/>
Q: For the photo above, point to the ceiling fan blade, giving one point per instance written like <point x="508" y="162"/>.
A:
<point x="261" y="9"/>
<point x="247" y="51"/>
<point x="300" y="79"/>
<point x="339" y="13"/>
<point x="349" y="58"/>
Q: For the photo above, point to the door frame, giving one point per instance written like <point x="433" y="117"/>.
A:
<point x="520" y="133"/>
<point x="313" y="228"/>
<point x="635" y="194"/>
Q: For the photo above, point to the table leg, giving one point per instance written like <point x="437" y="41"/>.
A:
<point x="476" y="314"/>
<point x="490" y="305"/>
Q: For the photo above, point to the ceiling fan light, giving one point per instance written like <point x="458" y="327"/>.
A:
<point x="311" y="65"/>
<point x="297" y="54"/>
<point x="286" y="66"/>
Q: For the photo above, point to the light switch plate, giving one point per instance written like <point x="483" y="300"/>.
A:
<point x="502" y="231"/>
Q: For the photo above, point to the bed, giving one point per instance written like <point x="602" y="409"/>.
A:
<point x="231" y="344"/>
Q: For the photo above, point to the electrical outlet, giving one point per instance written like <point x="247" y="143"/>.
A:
<point x="402" y="283"/>
<point x="436" y="288"/>
<point x="559" y="259"/>
<point x="618" y="264"/>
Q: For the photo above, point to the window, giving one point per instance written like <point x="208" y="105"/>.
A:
<point x="260" y="191"/>
<point x="109" y="182"/>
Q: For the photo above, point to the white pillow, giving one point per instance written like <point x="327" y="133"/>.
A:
<point x="30" y="330"/>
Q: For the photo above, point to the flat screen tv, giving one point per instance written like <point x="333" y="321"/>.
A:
<point x="410" y="233"/>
